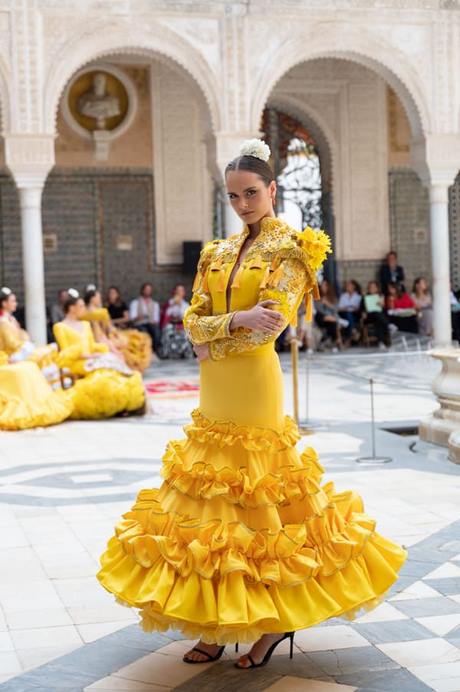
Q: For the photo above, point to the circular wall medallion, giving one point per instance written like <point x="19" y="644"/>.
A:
<point x="100" y="97"/>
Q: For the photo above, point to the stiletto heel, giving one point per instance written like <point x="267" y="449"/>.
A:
<point x="208" y="658"/>
<point x="236" y="647"/>
<point x="269" y="652"/>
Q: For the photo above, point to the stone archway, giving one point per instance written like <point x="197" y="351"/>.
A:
<point x="109" y="38"/>
<point x="175" y="71"/>
<point x="346" y="42"/>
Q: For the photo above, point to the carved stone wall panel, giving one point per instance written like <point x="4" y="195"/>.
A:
<point x="202" y="32"/>
<point x="366" y="43"/>
<point x="182" y="183"/>
<point x="80" y="41"/>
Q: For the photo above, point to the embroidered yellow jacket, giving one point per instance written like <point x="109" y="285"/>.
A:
<point x="281" y="265"/>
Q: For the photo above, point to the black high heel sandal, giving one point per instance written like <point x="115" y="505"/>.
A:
<point x="266" y="658"/>
<point x="208" y="659"/>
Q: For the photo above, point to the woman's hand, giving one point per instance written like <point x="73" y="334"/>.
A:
<point x="201" y="351"/>
<point x="259" y="318"/>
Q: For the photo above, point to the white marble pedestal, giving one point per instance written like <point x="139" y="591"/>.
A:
<point x="444" y="423"/>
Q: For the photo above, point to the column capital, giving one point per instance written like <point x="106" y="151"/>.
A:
<point x="435" y="159"/>
<point x="29" y="158"/>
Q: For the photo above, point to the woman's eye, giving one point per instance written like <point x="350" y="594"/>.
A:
<point x="250" y="193"/>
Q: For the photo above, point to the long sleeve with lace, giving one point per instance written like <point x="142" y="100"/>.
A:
<point x="200" y="324"/>
<point x="288" y="292"/>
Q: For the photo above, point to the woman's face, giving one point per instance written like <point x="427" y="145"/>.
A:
<point x="112" y="295"/>
<point x="249" y="196"/>
<point x="180" y="291"/>
<point x="372" y="288"/>
<point x="10" y="304"/>
<point x="422" y="285"/>
<point x="350" y="287"/>
<point x="392" y="290"/>
<point x="79" y="309"/>
<point x="324" y="288"/>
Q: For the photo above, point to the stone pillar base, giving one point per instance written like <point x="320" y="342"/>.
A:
<point x="445" y="421"/>
<point x="454" y="447"/>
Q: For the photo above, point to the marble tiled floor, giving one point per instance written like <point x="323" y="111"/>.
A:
<point x="61" y="489"/>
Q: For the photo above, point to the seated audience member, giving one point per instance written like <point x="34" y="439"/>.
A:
<point x="327" y="316"/>
<point x="373" y="306"/>
<point x="424" y="304"/>
<point x="144" y="313"/>
<point x="118" y="310"/>
<point x="391" y="272"/>
<point x="57" y="309"/>
<point x="401" y="309"/>
<point x="174" y="309"/>
<point x="349" y="308"/>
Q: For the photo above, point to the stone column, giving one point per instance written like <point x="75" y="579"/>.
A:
<point x="435" y="158"/>
<point x="30" y="158"/>
<point x="30" y="197"/>
<point x="439" y="233"/>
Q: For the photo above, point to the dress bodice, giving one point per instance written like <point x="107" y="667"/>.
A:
<point x="281" y="265"/>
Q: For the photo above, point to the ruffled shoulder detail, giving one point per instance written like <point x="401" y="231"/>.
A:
<point x="310" y="247"/>
<point x="316" y="245"/>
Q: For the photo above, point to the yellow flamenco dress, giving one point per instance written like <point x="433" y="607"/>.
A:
<point x="241" y="539"/>
<point x="103" y="386"/>
<point x="133" y="345"/>
<point x="26" y="398"/>
<point x="16" y="343"/>
<point x="28" y="376"/>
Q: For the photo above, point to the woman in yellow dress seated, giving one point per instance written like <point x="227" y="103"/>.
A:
<point x="242" y="542"/>
<point x="16" y="343"/>
<point x="130" y="345"/>
<point x="26" y="398"/>
<point x="103" y="385"/>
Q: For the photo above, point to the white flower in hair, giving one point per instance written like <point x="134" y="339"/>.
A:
<point x="73" y="293"/>
<point x="255" y="147"/>
<point x="5" y="290"/>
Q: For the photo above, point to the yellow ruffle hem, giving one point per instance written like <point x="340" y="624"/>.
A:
<point x="105" y="393"/>
<point x="248" y="544"/>
<point x="27" y="400"/>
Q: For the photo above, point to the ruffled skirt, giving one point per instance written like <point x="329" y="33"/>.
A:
<point x="105" y="393"/>
<point x="241" y="539"/>
<point x="27" y="400"/>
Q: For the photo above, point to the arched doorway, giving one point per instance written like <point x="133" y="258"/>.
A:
<point x="121" y="216"/>
<point x="349" y="105"/>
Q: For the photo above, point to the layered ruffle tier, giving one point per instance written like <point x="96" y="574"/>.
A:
<point x="105" y="393"/>
<point x="27" y="400"/>
<point x="241" y="539"/>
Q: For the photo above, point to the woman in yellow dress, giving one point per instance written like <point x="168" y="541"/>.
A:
<point x="103" y="385"/>
<point x="26" y="397"/>
<point x="241" y="543"/>
<point x="130" y="345"/>
<point x="16" y="343"/>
